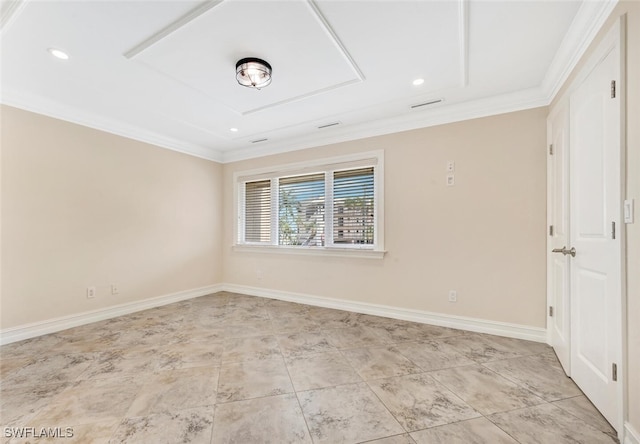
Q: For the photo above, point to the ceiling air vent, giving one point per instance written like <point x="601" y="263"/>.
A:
<point x="259" y="140"/>
<point x="327" y="125"/>
<point x="430" y="102"/>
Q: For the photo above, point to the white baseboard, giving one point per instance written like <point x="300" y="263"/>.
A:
<point x="27" y="331"/>
<point x="472" y="324"/>
<point x="631" y="435"/>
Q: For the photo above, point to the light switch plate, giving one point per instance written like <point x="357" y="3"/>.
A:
<point x="628" y="211"/>
<point x="451" y="180"/>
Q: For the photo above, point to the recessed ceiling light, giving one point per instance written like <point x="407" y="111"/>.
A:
<point x="417" y="82"/>
<point x="233" y="130"/>
<point x="58" y="53"/>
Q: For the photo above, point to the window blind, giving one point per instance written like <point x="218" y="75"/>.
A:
<point x="301" y="205"/>
<point x="257" y="211"/>
<point x="353" y="206"/>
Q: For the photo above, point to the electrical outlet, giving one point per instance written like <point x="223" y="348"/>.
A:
<point x="91" y="292"/>
<point x="453" y="296"/>
<point x="259" y="275"/>
<point x="451" y="166"/>
<point x="114" y="289"/>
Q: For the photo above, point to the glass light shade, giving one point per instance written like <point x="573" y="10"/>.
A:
<point x="253" y="73"/>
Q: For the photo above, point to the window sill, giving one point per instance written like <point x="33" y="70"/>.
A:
<point x="360" y="253"/>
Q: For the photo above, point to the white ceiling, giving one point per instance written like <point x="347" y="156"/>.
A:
<point x="164" y="71"/>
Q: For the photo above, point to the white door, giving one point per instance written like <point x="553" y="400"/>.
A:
<point x="595" y="207"/>
<point x="559" y="314"/>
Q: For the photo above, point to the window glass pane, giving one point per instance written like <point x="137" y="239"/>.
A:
<point x="353" y="206"/>
<point x="301" y="210"/>
<point x="257" y="211"/>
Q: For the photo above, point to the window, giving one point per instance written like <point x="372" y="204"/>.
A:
<point x="334" y="205"/>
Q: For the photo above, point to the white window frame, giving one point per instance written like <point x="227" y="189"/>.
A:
<point x="327" y="166"/>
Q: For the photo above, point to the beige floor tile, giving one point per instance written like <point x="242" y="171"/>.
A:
<point x="297" y="344"/>
<point x="50" y="369"/>
<point x="346" y="414"/>
<point x="252" y="348"/>
<point x="432" y="355"/>
<point x="89" y="401"/>
<point x="283" y="309"/>
<point x="418" y="401"/>
<point x="547" y="423"/>
<point x="379" y="362"/>
<point x="330" y="319"/>
<point x="31" y="349"/>
<point x="484" y="390"/>
<point x="270" y="420"/>
<point x="94" y="433"/>
<point x="297" y="324"/>
<point x="472" y="431"/>
<point x="397" y="439"/>
<point x="9" y="366"/>
<point x="19" y="404"/>
<point x="581" y="408"/>
<point x="320" y="370"/>
<point x="153" y="376"/>
<point x="122" y="363"/>
<point x="484" y="348"/>
<point x="253" y="379"/>
<point x="541" y="374"/>
<point x="354" y="337"/>
<point x="192" y="426"/>
<point x="190" y="354"/>
<point x="262" y="327"/>
<point x="176" y="390"/>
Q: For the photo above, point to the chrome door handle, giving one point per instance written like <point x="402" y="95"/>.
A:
<point x="564" y="251"/>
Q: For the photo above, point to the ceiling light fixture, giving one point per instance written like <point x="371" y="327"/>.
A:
<point x="58" y="53"/>
<point x="417" y="82"/>
<point x="233" y="130"/>
<point x="253" y="73"/>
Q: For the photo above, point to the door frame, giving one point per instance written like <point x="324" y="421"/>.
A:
<point x="615" y="36"/>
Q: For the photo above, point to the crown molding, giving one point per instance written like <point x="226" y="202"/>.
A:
<point x="588" y="21"/>
<point x="438" y="115"/>
<point x="40" y="105"/>
<point x="10" y="11"/>
<point x="585" y="26"/>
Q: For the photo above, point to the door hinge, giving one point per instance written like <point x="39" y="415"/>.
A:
<point x="614" y="371"/>
<point x="550" y="311"/>
<point x="613" y="230"/>
<point x="550" y="230"/>
<point x="551" y="149"/>
<point x="613" y="89"/>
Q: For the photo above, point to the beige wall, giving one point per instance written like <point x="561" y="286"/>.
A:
<point x="484" y="237"/>
<point x="632" y="11"/>
<point x="81" y="208"/>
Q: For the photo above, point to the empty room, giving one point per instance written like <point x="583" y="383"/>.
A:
<point x="320" y="221"/>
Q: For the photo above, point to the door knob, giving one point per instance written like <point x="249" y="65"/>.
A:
<point x="564" y="251"/>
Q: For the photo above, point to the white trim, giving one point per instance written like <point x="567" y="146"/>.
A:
<point x="40" y="105"/>
<point x="631" y="435"/>
<point x="420" y="118"/>
<point x="172" y="27"/>
<point x="537" y="334"/>
<point x="26" y="331"/>
<point x="11" y="13"/>
<point x="361" y="253"/>
<point x="588" y="20"/>
<point x="581" y="33"/>
<point x="321" y="165"/>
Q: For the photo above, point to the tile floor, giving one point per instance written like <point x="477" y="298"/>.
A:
<point x="229" y="368"/>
